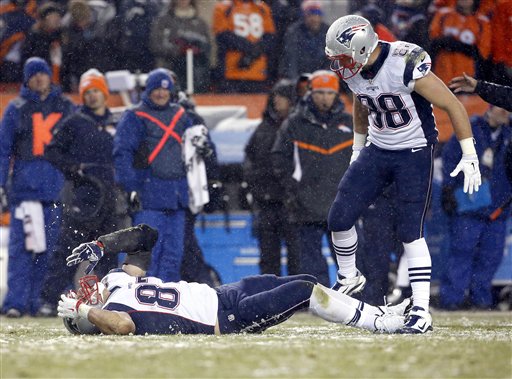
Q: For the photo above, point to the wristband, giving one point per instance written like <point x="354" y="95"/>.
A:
<point x="82" y="309"/>
<point x="468" y="146"/>
<point x="359" y="141"/>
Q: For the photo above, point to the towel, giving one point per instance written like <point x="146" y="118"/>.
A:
<point x="31" y="213"/>
<point x="194" y="137"/>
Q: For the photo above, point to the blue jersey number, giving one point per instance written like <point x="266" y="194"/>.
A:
<point x="389" y="111"/>
<point x="151" y="294"/>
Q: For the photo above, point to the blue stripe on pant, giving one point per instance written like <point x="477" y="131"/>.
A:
<point x="26" y="271"/>
<point x="168" y="251"/>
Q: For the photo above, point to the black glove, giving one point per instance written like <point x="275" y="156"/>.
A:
<point x="448" y="201"/>
<point x="3" y="200"/>
<point x="134" y="202"/>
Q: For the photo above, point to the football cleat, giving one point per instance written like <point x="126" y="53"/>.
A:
<point x="401" y="309"/>
<point x="389" y="323"/>
<point x="418" y="321"/>
<point x="348" y="286"/>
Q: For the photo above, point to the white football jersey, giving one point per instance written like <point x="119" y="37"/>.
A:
<point x="399" y="118"/>
<point x="162" y="308"/>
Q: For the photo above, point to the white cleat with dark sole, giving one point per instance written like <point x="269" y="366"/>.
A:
<point x="418" y="321"/>
<point x="349" y="286"/>
<point x="401" y="309"/>
<point x="389" y="323"/>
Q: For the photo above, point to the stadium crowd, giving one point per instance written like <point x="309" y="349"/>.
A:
<point x="55" y="153"/>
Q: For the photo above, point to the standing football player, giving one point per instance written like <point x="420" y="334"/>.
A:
<point x="394" y="91"/>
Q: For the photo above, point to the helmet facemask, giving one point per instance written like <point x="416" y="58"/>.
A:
<point x="91" y="291"/>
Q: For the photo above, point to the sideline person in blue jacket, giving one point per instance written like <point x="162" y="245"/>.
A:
<point x="25" y="130"/>
<point x="477" y="239"/>
<point x="149" y="167"/>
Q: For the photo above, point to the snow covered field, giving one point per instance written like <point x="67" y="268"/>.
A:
<point x="463" y="345"/>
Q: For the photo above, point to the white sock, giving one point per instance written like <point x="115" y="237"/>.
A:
<point x="345" y="246"/>
<point x="420" y="270"/>
<point x="351" y="302"/>
<point x="339" y="309"/>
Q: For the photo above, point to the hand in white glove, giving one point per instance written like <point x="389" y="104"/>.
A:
<point x="67" y="307"/>
<point x="355" y="154"/>
<point x="469" y="166"/>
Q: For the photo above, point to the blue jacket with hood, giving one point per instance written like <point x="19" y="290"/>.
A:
<point x="25" y="130"/>
<point x="161" y="184"/>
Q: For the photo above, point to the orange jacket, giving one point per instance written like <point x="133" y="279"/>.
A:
<point x="251" y="21"/>
<point x="486" y="6"/>
<point x="501" y="27"/>
<point x="465" y="31"/>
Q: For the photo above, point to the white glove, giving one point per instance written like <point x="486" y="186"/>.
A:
<point x="355" y="154"/>
<point x="67" y="307"/>
<point x="469" y="166"/>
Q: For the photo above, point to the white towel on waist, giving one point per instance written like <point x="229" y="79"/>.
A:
<point x="196" y="169"/>
<point x="32" y="215"/>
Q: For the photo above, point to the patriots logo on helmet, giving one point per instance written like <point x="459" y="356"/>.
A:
<point x="345" y="37"/>
<point x="423" y="68"/>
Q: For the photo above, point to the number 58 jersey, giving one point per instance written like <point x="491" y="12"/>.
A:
<point x="162" y="308"/>
<point x="399" y="118"/>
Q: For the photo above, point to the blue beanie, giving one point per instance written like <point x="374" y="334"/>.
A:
<point x="33" y="66"/>
<point x="159" y="78"/>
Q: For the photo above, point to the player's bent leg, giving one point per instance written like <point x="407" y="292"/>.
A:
<point x="268" y="308"/>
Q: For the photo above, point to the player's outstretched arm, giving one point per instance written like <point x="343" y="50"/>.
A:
<point x="111" y="322"/>
<point x="434" y="90"/>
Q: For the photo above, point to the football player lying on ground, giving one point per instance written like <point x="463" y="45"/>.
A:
<point x="127" y="302"/>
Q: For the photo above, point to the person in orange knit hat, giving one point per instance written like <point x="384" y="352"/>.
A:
<point x="93" y="79"/>
<point x="82" y="149"/>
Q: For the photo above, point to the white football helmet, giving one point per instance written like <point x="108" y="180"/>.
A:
<point x="91" y="293"/>
<point x="348" y="44"/>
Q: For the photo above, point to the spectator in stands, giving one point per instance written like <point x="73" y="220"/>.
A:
<point x="25" y="130"/>
<point x="173" y="33"/>
<point x="461" y="41"/>
<point x="84" y="44"/>
<point x="306" y="35"/>
<point x="284" y="13"/>
<point x="131" y="31"/>
<point x="410" y="23"/>
<point x="485" y="7"/>
<point x="273" y="223"/>
<point x="16" y="19"/>
<point x="244" y="31"/>
<point x="44" y="38"/>
<point x="310" y="154"/>
<point x="82" y="149"/>
<point x="501" y="48"/>
<point x="149" y="167"/>
<point x="376" y="16"/>
<point x="477" y="236"/>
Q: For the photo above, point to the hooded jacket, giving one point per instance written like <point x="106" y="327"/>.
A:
<point x="25" y="130"/>
<point x="310" y="155"/>
<point x="161" y="184"/>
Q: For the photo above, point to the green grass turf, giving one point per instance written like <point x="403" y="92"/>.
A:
<point x="463" y="345"/>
